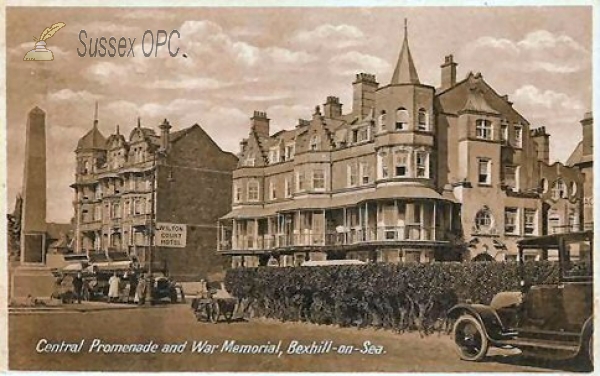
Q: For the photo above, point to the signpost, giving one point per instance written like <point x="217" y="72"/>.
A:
<point x="171" y="235"/>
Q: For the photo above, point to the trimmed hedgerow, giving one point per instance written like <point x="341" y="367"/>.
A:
<point x="377" y="294"/>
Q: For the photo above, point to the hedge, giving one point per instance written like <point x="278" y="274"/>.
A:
<point x="377" y="294"/>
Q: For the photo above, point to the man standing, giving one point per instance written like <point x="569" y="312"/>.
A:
<point x="78" y="286"/>
<point x="113" y="288"/>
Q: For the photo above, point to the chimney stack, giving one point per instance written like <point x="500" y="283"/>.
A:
<point x="363" y="99"/>
<point x="260" y="123"/>
<point x="542" y="139"/>
<point x="587" y="124"/>
<point x="164" y="135"/>
<point x="448" y="72"/>
<point x="332" y="107"/>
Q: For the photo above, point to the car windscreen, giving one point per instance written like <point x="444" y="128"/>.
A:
<point x="576" y="260"/>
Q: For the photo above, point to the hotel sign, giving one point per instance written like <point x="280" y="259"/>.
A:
<point x="171" y="235"/>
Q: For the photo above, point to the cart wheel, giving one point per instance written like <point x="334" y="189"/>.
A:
<point x="214" y="312"/>
<point x="470" y="340"/>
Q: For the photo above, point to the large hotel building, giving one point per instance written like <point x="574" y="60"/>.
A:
<point x="124" y="186"/>
<point x="412" y="173"/>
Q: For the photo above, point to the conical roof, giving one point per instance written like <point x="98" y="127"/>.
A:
<point x="93" y="140"/>
<point x="405" y="72"/>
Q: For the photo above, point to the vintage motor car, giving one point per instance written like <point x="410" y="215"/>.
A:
<point x="552" y="321"/>
<point x="165" y="288"/>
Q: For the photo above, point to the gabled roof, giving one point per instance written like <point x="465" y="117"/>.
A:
<point x="476" y="102"/>
<point x="405" y="72"/>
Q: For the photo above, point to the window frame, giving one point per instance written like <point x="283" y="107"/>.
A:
<point x="484" y="129"/>
<point x="320" y="179"/>
<point x="488" y="163"/>
<point x="252" y="184"/>
<point x="401" y="112"/>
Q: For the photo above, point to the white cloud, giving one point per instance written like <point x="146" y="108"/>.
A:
<point x="186" y="82"/>
<point x="68" y="95"/>
<point x="336" y="36"/>
<point x="286" y="116"/>
<point x="284" y="56"/>
<point x="543" y="39"/>
<point x="538" y="51"/>
<point x="529" y="95"/>
<point x="355" y="62"/>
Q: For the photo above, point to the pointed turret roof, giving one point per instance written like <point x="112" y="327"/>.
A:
<point x="405" y="72"/>
<point x="93" y="139"/>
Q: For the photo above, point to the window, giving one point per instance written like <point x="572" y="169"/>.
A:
<point x="511" y="224"/>
<point x="483" y="129"/>
<point x="529" y="221"/>
<point x="137" y="206"/>
<point x="422" y="164"/>
<point x="544" y="185"/>
<point x="237" y="193"/>
<point x="381" y="121"/>
<point x="274" y="156"/>
<point x="364" y="172"/>
<point x="98" y="213"/>
<point x="504" y="133"/>
<point x="318" y="179"/>
<point x="116" y="210"/>
<point x="288" y="187"/>
<point x="289" y="151"/>
<point x="86" y="167"/>
<point x="300" y="182"/>
<point x="559" y="190"/>
<point x="272" y="191"/>
<point x="401" y="119"/>
<point x="483" y="220"/>
<point x="484" y="171"/>
<point x="98" y="191"/>
<point x="126" y="209"/>
<point x="573" y="221"/>
<point x="383" y="163"/>
<point x="249" y="161"/>
<point x="401" y="163"/>
<point x="314" y="143"/>
<point x="518" y="136"/>
<point x="354" y="136"/>
<point x="422" y="123"/>
<point x="352" y="175"/>
<point x="253" y="191"/>
<point x="510" y="180"/>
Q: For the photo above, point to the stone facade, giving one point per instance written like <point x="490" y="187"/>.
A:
<point x="410" y="173"/>
<point x="115" y="200"/>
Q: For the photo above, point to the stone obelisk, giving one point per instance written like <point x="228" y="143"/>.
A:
<point x="33" y="225"/>
<point x="32" y="278"/>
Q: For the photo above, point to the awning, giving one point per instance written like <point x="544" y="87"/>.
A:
<point x="256" y="211"/>
<point x="404" y="191"/>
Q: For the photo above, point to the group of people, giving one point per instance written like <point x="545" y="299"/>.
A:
<point x="117" y="288"/>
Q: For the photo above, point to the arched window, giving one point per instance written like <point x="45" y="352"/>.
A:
<point x="381" y="121"/>
<point x="559" y="190"/>
<point x="544" y="185"/>
<point x="86" y="167"/>
<point x="401" y="119"/>
<point x="423" y="124"/>
<point x="483" y="129"/>
<point x="573" y="189"/>
<point x="484" y="220"/>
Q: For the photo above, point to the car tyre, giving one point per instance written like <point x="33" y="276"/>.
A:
<point x="470" y="340"/>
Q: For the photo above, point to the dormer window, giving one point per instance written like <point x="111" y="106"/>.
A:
<point x="423" y="123"/>
<point x="401" y="119"/>
<point x="559" y="190"/>
<point x="381" y="121"/>
<point x="483" y="129"/>
<point x="289" y="152"/>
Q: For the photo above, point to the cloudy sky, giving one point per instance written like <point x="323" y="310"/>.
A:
<point x="283" y="61"/>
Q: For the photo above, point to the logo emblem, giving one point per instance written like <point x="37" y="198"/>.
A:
<point x="40" y="52"/>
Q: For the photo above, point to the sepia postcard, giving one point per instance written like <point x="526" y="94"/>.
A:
<point x="299" y="189"/>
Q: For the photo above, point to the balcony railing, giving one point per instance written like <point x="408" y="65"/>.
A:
<point x="566" y="229"/>
<point x="332" y="238"/>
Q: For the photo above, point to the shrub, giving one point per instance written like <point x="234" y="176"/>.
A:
<point x="377" y="294"/>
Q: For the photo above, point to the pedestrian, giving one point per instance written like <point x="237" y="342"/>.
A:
<point x="78" y="286"/>
<point x="140" y="291"/>
<point x="113" y="288"/>
<point x="133" y="282"/>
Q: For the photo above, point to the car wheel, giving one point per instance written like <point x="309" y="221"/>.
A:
<point x="470" y="340"/>
<point x="214" y="313"/>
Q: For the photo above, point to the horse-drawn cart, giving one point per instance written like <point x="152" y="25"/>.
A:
<point x="212" y="303"/>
